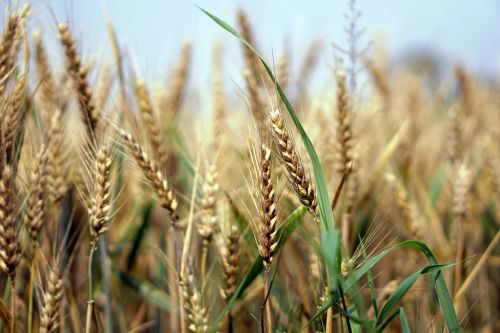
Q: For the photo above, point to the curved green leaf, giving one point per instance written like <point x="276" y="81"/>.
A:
<point x="405" y="325"/>
<point x="444" y="297"/>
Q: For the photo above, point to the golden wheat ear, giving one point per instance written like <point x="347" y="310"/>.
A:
<point x="153" y="125"/>
<point x="300" y="180"/>
<point x="10" y="252"/>
<point x="35" y="214"/>
<point x="78" y="75"/>
<point x="100" y="201"/>
<point x="51" y="301"/>
<point x="10" y="44"/>
<point x="197" y="317"/>
<point x="230" y="256"/>
<point x="153" y="174"/>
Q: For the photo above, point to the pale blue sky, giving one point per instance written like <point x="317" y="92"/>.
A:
<point x="152" y="30"/>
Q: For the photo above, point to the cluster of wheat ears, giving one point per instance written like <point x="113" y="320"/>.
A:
<point x="328" y="211"/>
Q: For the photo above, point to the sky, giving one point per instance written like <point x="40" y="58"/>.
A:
<point x="152" y="31"/>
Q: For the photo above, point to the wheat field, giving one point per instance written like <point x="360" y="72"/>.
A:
<point x="286" y="208"/>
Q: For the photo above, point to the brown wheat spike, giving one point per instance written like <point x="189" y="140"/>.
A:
<point x="210" y="187"/>
<point x="283" y="71"/>
<point x="13" y="117"/>
<point x="306" y="69"/>
<point x="152" y="123"/>
<point x="230" y="255"/>
<point x="405" y="210"/>
<point x="47" y="81"/>
<point x="219" y="102"/>
<point x="9" y="44"/>
<point x="79" y="77"/>
<point x="344" y="128"/>
<point x="34" y="217"/>
<point x="178" y="80"/>
<point x="196" y="312"/>
<point x="256" y="105"/>
<point x="455" y="140"/>
<point x="269" y="217"/>
<point x="466" y="86"/>
<point x="461" y="210"/>
<point x="381" y="83"/>
<point x="461" y="192"/>
<point x="100" y="202"/>
<point x="56" y="183"/>
<point x="301" y="181"/>
<point x="252" y="61"/>
<point x="52" y="297"/>
<point x="104" y="90"/>
<point x="9" y="241"/>
<point x="153" y="174"/>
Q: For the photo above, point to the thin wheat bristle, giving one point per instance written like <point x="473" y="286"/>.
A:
<point x="78" y="75"/>
<point x="34" y="217"/>
<point x="153" y="174"/>
<point x="269" y="217"/>
<point x="301" y="182"/>
<point x="10" y="252"/>
<point x="152" y="123"/>
<point x="230" y="256"/>
<point x="52" y="298"/>
<point x="100" y="205"/>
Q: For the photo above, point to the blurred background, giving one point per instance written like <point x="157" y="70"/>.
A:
<point x="151" y="31"/>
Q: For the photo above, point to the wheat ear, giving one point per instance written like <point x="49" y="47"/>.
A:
<point x="300" y="180"/>
<point x="267" y="227"/>
<point x="78" y="75"/>
<point x="196" y="312"/>
<point x="152" y="122"/>
<point x="153" y="174"/>
<point x="34" y="217"/>
<point x="9" y="44"/>
<point x="10" y="253"/>
<point x="52" y="298"/>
